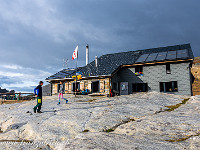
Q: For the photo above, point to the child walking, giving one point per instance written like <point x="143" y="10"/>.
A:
<point x="61" y="91"/>
<point x="38" y="93"/>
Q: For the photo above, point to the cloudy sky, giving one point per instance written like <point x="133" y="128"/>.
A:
<point x="36" y="35"/>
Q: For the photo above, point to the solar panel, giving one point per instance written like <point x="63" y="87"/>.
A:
<point x="142" y="58"/>
<point x="62" y="74"/>
<point x="152" y="57"/>
<point x="171" y="55"/>
<point x="161" y="56"/>
<point x="182" y="53"/>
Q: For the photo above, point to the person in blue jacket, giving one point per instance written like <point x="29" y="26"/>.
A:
<point x="38" y="93"/>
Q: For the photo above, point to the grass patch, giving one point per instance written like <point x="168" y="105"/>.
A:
<point x="84" y="131"/>
<point x="121" y="123"/>
<point x="173" y="107"/>
<point x="131" y="120"/>
<point x="179" y="140"/>
<point x="109" y="130"/>
<point x="182" y="139"/>
<point x="91" y="100"/>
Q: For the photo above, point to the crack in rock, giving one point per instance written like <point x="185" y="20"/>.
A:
<point x="117" y="125"/>
<point x="18" y="141"/>
<point x="1" y="130"/>
<point x="15" y="126"/>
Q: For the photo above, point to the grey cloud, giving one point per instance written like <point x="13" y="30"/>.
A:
<point x="8" y="80"/>
<point x="29" y="89"/>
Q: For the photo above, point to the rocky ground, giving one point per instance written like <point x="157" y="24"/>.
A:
<point x="138" y="121"/>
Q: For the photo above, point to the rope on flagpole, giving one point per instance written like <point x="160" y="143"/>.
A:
<point x="76" y="73"/>
<point x="76" y="77"/>
<point x="75" y="56"/>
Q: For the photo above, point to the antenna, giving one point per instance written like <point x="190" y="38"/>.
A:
<point x="65" y="63"/>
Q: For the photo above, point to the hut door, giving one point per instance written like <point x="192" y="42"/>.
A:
<point x="124" y="88"/>
<point x="58" y="88"/>
<point x="77" y="86"/>
<point x="95" y="86"/>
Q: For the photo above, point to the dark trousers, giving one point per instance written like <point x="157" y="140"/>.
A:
<point x="39" y="104"/>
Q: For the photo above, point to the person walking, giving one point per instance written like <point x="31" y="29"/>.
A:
<point x="61" y="91"/>
<point x="38" y="93"/>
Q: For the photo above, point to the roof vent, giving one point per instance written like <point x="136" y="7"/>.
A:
<point x="96" y="61"/>
<point x="87" y="54"/>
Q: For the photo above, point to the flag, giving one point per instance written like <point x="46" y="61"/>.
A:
<point x="75" y="53"/>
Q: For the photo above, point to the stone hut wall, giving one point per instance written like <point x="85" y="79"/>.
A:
<point x="104" y="85"/>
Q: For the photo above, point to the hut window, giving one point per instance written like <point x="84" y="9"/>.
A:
<point x="168" y="69"/>
<point x="169" y="86"/>
<point x="139" y="87"/>
<point x="138" y="69"/>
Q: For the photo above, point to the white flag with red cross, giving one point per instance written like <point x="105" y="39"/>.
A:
<point x="75" y="53"/>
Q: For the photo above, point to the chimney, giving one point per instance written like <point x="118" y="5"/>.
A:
<point x="87" y="54"/>
<point x="96" y="61"/>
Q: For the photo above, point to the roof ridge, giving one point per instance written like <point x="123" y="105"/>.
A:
<point x="148" y="49"/>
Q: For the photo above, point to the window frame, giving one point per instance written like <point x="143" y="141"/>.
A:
<point x="138" y="69"/>
<point x="145" y="87"/>
<point x="168" y="68"/>
<point x="166" y="88"/>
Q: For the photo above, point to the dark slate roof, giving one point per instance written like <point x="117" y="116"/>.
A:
<point x="62" y="74"/>
<point x="107" y="64"/>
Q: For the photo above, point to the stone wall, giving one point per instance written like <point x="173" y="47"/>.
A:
<point x="196" y="73"/>
<point x="104" y="85"/>
<point x="46" y="90"/>
<point x="54" y="88"/>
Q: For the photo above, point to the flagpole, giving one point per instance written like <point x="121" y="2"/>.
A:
<point x="76" y="77"/>
<point x="76" y="74"/>
<point x="75" y="56"/>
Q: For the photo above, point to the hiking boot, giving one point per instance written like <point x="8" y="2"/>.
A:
<point x="58" y="103"/>
<point x="39" y="112"/>
<point x="34" y="110"/>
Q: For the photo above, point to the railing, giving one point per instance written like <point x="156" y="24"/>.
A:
<point x="17" y="96"/>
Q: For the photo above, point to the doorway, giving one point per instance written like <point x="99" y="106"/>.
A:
<point x="95" y="86"/>
<point x="123" y="88"/>
<point x="77" y="86"/>
<point x="58" y="89"/>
